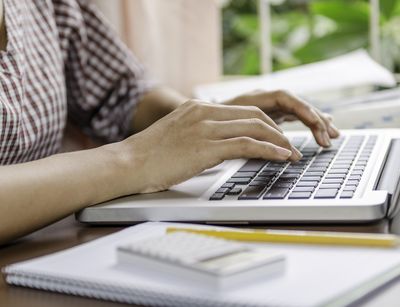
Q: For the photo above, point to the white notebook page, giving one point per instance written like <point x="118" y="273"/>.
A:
<point x="314" y="276"/>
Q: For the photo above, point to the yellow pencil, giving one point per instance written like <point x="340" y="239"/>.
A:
<point x="300" y="237"/>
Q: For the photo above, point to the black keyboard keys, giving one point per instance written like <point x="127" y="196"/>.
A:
<point x="234" y="191"/>
<point x="217" y="196"/>
<point x="252" y="192"/>
<point x="307" y="184"/>
<point x="244" y="175"/>
<point x="239" y="180"/>
<point x="276" y="193"/>
<point x="253" y="165"/>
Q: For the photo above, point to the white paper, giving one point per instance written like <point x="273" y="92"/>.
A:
<point x="314" y="275"/>
<point x="351" y="70"/>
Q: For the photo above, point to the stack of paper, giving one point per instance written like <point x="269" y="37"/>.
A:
<point x="355" y="69"/>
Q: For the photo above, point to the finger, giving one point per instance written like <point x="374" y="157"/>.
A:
<point x="290" y="118"/>
<point x="327" y="118"/>
<point x="307" y="114"/>
<point x="253" y="128"/>
<point x="245" y="147"/>
<point x="225" y="112"/>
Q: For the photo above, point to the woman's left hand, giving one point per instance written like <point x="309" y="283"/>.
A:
<point x="282" y="106"/>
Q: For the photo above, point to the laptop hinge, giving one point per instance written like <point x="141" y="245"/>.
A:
<point x="389" y="179"/>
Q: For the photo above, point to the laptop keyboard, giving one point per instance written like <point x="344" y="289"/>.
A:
<point x="329" y="173"/>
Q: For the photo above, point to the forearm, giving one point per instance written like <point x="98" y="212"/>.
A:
<point x="37" y="193"/>
<point x="154" y="105"/>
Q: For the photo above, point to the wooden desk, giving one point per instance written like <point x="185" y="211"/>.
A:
<point x="67" y="233"/>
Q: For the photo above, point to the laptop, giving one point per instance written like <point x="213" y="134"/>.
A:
<point x="355" y="180"/>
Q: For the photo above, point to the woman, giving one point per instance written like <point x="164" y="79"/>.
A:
<point x="59" y="59"/>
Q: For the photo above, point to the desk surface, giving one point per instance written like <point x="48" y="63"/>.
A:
<point x="67" y="233"/>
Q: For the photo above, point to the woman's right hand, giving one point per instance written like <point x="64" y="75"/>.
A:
<point x="197" y="136"/>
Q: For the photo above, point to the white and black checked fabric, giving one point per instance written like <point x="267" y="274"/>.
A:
<point x="62" y="61"/>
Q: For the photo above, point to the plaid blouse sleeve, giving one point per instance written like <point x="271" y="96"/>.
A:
<point x="104" y="80"/>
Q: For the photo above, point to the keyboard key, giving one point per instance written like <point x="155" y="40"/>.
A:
<point x="222" y="190"/>
<point x="343" y="162"/>
<point x="266" y="178"/>
<point x="311" y="178"/>
<point x="326" y="193"/>
<point x="330" y="186"/>
<point x="289" y="179"/>
<point x="277" y="164"/>
<point x="300" y="195"/>
<point x="263" y="183"/>
<point x="316" y="164"/>
<point x="350" y="188"/>
<point x="252" y="192"/>
<point x="323" y="160"/>
<point x="217" y="196"/>
<point x="304" y="189"/>
<point x="333" y="181"/>
<point x="285" y="176"/>
<point x="307" y="184"/>
<point x="335" y="176"/>
<point x="282" y="185"/>
<point x="244" y="174"/>
<point x="317" y="169"/>
<point x="310" y="173"/>
<point x="293" y="171"/>
<point x="253" y="165"/>
<point x="234" y="191"/>
<point x="356" y="172"/>
<point x="276" y="193"/>
<point x="299" y="164"/>
<point x="347" y="194"/>
<point x="341" y="166"/>
<point x="239" y="180"/>
<point x="352" y="182"/>
<point x="272" y="169"/>
<point x="339" y="171"/>
<point x="228" y="185"/>
<point x="361" y="163"/>
<point x="355" y="177"/>
<point x="268" y="173"/>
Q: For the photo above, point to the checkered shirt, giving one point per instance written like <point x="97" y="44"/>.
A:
<point x="62" y="62"/>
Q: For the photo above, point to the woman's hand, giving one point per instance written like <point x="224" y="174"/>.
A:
<point x="197" y="136"/>
<point x="282" y="106"/>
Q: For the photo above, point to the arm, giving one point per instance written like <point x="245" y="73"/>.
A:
<point x="37" y="193"/>
<point x="194" y="137"/>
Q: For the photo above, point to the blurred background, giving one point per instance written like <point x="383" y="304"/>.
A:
<point x="188" y="42"/>
<point x="216" y="48"/>
<point x="305" y="31"/>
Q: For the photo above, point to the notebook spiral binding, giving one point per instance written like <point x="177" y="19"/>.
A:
<point x="116" y="293"/>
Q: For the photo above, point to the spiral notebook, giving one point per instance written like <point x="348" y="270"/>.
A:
<point x="315" y="275"/>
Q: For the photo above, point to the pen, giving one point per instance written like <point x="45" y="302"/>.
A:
<point x="299" y="237"/>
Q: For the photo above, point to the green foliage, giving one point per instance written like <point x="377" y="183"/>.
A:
<point x="240" y="38"/>
<point x="305" y="31"/>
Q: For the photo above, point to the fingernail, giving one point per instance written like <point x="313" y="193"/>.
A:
<point x="283" y="153"/>
<point x="333" y="131"/>
<point x="297" y="153"/>
<point x="327" y="140"/>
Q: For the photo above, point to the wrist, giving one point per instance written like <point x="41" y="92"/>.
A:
<point x="126" y="166"/>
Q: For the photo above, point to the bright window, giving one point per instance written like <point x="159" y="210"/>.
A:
<point x="305" y="31"/>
